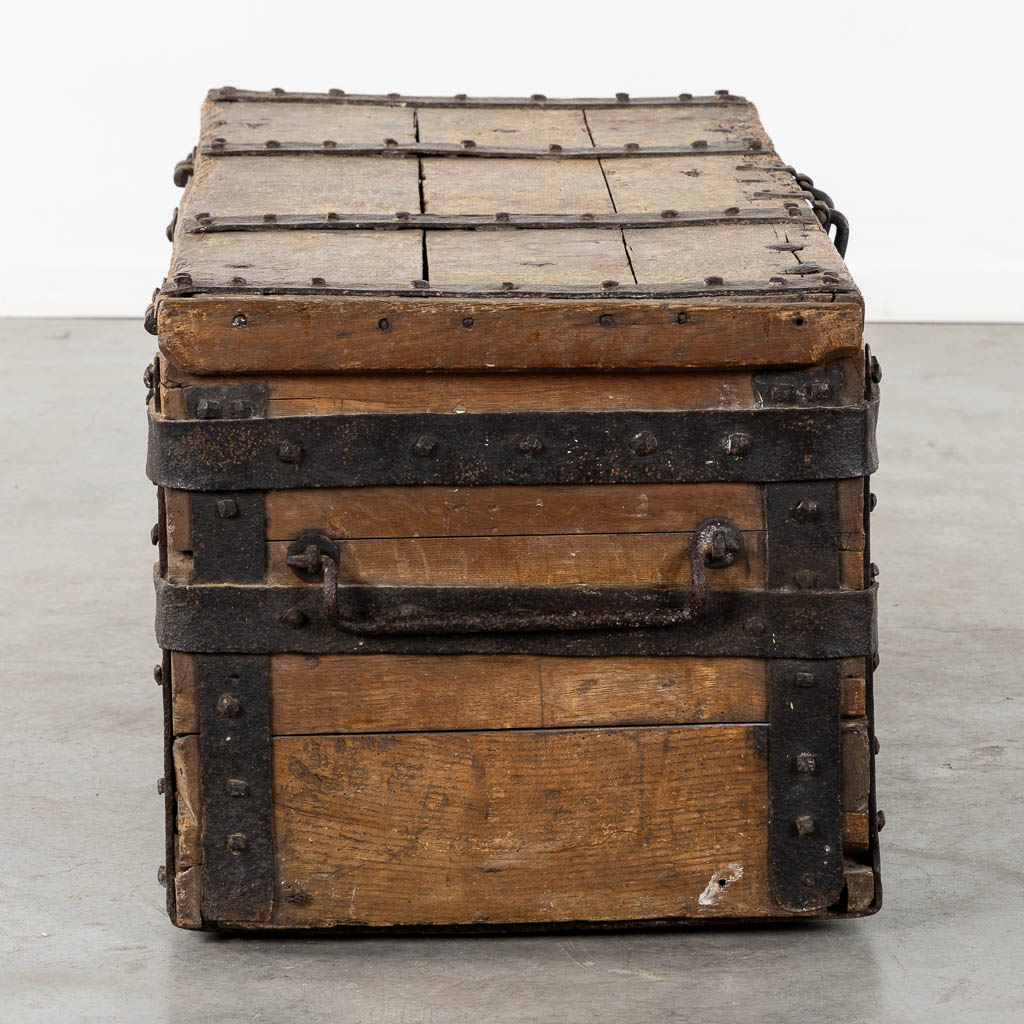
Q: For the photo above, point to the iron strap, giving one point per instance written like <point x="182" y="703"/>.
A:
<point x="272" y="147"/>
<point x="207" y="224"/>
<point x="280" y="619"/>
<point x="379" y="449"/>
<point x="229" y="94"/>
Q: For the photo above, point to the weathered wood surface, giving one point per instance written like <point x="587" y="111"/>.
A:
<point x="410" y="693"/>
<point x="511" y="128"/>
<point x="294" y="334"/>
<point x="521" y="825"/>
<point x="188" y="822"/>
<point x="377" y="512"/>
<point x="599" y="560"/>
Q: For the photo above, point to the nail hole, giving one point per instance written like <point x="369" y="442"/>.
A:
<point x="799" y="321"/>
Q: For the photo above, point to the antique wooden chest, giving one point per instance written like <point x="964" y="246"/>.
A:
<point x="512" y="466"/>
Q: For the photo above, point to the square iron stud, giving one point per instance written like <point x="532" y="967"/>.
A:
<point x="227" y="508"/>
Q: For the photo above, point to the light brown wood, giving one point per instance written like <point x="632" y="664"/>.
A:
<point x="184" y="694"/>
<point x="377" y="512"/>
<point x="188" y="820"/>
<point x="854" y="699"/>
<point x="296" y="334"/>
<point x="187" y="897"/>
<point x="860" y="885"/>
<point x="509" y="128"/>
<point x="613" y="560"/>
<point x="526" y="825"/>
<point x="850" y="530"/>
<point x="856" y="838"/>
<point x="401" y="693"/>
<point x="178" y="512"/>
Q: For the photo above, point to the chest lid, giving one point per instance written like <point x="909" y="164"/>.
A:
<point x="334" y="232"/>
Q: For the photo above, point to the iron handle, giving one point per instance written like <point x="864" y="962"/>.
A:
<point x="715" y="545"/>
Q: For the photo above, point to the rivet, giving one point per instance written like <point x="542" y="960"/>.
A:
<point x="394" y="95"/>
<point x="508" y="286"/>
<point x="685" y="96"/>
<point x="208" y="409"/>
<point x="290" y="452"/>
<point x="873" y="570"/>
<point x="731" y="211"/>
<point x="609" y="285"/>
<point x="228" y="706"/>
<point x="425" y="445"/>
<point x="538" y="97"/>
<point x="699" y="144"/>
<point x="294" y="618"/>
<point x="328" y="144"/>
<point x="531" y="446"/>
<point x="809" y="880"/>
<point x="161" y="786"/>
<point x="872" y="501"/>
<point x="467" y="322"/>
<point x="755" y="627"/>
<point x="317" y="282"/>
<point x="803" y="825"/>
<point x="158" y="675"/>
<point x="420" y="283"/>
<point x="237" y="842"/>
<point x="875" y="745"/>
<point x="721" y="92"/>
<point x="806" y="511"/>
<point x="183" y="280"/>
<point x="681" y="318"/>
<point x="806" y="764"/>
<point x="277" y="91"/>
<point x="805" y="579"/>
<point x="586" y="216"/>
<point x="737" y="444"/>
<point x="272" y="144"/>
<point x="880" y="820"/>
<point x="554" y="148"/>
<point x="149" y="376"/>
<point x="459" y="96"/>
<point x="237" y="787"/>
<point x="804" y="680"/>
<point x="391" y="142"/>
<point x="335" y="92"/>
<point x="643" y="443"/>
<point x="622" y="97"/>
<point x="714" y="280"/>
<point x="502" y="216"/>
<point x="819" y="391"/>
<point x="384" y="324"/>
<point x="161" y="875"/>
<point x="402" y="215"/>
<point x="754" y="144"/>
<point x="781" y="392"/>
<point x="269" y="218"/>
<point x="227" y="508"/>
<point x="217" y="143"/>
<point x="240" y="410"/>
<point x="239" y="320"/>
<point x="154" y="534"/>
<point x="876" y="370"/>
<point x="332" y="215"/>
<point x="669" y="214"/>
<point x="238" y="282"/>
<point x="875" y="660"/>
<point x="606" y="320"/>
<point x="631" y="146"/>
<point x="468" y="144"/>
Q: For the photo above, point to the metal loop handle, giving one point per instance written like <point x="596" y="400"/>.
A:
<point x="716" y="543"/>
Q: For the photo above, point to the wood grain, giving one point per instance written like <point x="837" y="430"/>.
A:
<point x="676" y="126"/>
<point x="184" y="694"/>
<point x="377" y="512"/>
<point x="611" y="560"/>
<point x="403" y="693"/>
<point x="187" y="788"/>
<point x="509" y="128"/>
<point x="296" y="334"/>
<point x="856" y="837"/>
<point x="524" y="825"/>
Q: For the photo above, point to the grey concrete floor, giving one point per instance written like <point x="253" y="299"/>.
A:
<point x="83" y="936"/>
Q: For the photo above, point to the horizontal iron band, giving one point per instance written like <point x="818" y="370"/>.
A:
<point x="757" y="624"/>
<point x="380" y="449"/>
<point x="231" y="95"/>
<point x="207" y="224"/>
<point x="743" y="147"/>
<point x="805" y="281"/>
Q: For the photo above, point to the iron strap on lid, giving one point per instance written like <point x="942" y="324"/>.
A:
<point x="376" y="449"/>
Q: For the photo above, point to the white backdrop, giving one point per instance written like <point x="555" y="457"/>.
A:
<point x="907" y="113"/>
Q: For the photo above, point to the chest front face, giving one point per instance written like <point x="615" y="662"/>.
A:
<point x="512" y="466"/>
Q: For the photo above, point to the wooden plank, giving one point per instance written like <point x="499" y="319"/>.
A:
<point x="564" y="257"/>
<point x="731" y="251"/>
<point x="254" y="185"/>
<point x="854" y="699"/>
<point x="296" y="334"/>
<point x="401" y="693"/>
<point x="856" y="837"/>
<point x="851" y="570"/>
<point x="856" y="766"/>
<point x="611" y="560"/>
<point x="523" y="825"/>
<point x="471" y="393"/>
<point x="676" y="126"/>
<point x="178" y="514"/>
<point x="187" y="898"/>
<point x="511" y="127"/>
<point x="697" y="183"/>
<point x="184" y="694"/>
<point x="514" y="186"/>
<point x="363" y="512"/>
<point x="306" y="122"/>
<point x="187" y="816"/>
<point x="860" y="885"/>
<point x="290" y="259"/>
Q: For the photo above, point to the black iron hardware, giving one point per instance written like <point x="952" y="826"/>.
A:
<point x="184" y="169"/>
<point x="826" y="211"/>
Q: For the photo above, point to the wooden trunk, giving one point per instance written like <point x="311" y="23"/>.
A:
<point x="512" y="463"/>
